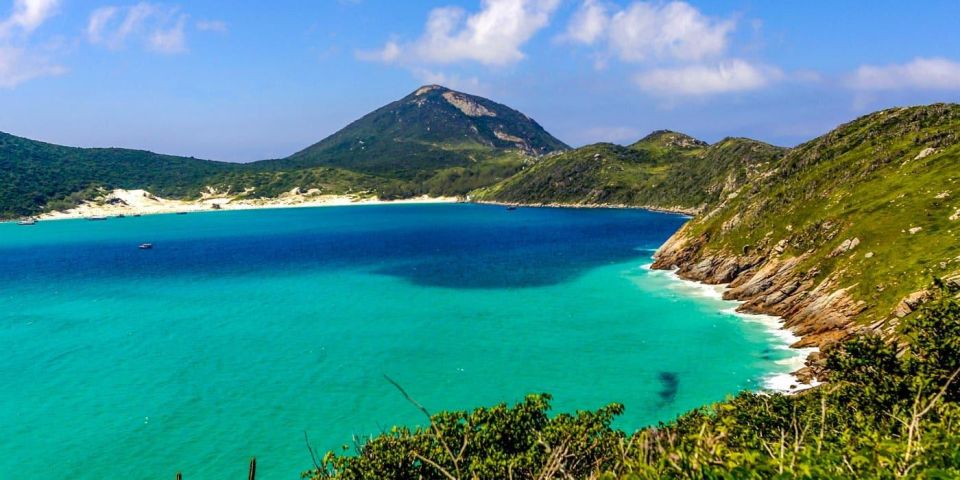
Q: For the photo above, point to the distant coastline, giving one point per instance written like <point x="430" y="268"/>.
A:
<point x="141" y="202"/>
<point x="690" y="212"/>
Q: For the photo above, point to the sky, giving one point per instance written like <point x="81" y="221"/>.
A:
<point x="247" y="80"/>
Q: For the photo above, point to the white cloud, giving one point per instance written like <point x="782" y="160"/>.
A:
<point x="19" y="61"/>
<point x="727" y="76"/>
<point x="492" y="36"/>
<point x="28" y="15"/>
<point x="98" y="22"/>
<point x="588" y="23"/>
<point x="216" y="26"/>
<point x="158" y="28"/>
<point x="920" y="74"/>
<point x="647" y="31"/>
<point x="171" y="40"/>
<point x="17" y="65"/>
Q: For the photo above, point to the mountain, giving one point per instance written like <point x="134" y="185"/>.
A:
<point x="665" y="170"/>
<point x="846" y="231"/>
<point x="428" y="130"/>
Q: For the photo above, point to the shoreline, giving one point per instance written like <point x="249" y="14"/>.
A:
<point x="688" y="212"/>
<point x="780" y="382"/>
<point x="142" y="203"/>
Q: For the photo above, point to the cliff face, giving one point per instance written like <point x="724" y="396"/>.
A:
<point x="844" y="234"/>
<point x="819" y="311"/>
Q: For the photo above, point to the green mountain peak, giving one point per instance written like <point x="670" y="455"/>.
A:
<point x="430" y="129"/>
<point x="669" y="139"/>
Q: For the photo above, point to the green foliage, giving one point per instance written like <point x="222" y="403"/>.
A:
<point x="889" y="411"/>
<point x="33" y="174"/>
<point x="664" y="170"/>
<point x="499" y="442"/>
<point x="425" y="132"/>
<point x="890" y="179"/>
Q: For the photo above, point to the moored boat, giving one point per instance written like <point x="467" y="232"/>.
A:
<point x="146" y="246"/>
<point x="96" y="218"/>
<point x="27" y="221"/>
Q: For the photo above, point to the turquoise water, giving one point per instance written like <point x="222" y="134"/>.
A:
<point x="241" y="330"/>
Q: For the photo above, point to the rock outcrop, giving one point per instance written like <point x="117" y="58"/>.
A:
<point x="818" y="311"/>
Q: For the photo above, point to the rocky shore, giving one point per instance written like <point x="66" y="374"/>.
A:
<point x="819" y="313"/>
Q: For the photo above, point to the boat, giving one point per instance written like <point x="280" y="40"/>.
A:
<point x="181" y="213"/>
<point x="97" y="218"/>
<point x="121" y="216"/>
<point x="512" y="207"/>
<point x="146" y="246"/>
<point x="27" y="221"/>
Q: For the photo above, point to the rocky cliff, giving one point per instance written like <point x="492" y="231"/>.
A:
<point x="847" y="232"/>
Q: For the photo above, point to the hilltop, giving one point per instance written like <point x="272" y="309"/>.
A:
<point x="430" y="129"/>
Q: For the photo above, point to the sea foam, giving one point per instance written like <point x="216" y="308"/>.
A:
<point x="784" y="382"/>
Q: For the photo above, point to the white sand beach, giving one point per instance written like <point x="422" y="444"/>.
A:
<point x="142" y="202"/>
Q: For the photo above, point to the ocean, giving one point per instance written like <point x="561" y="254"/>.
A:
<point x="239" y="331"/>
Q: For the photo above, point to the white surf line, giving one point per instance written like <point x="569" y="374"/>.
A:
<point x="774" y="381"/>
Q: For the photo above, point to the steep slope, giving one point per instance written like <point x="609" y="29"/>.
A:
<point x="846" y="232"/>
<point x="666" y="170"/>
<point x="431" y="129"/>
<point x="32" y="173"/>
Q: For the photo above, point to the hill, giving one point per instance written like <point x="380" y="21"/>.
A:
<point x="34" y="174"/>
<point x="431" y="129"/>
<point x="665" y="170"/>
<point x="848" y="230"/>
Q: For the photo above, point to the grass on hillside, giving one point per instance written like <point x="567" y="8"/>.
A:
<point x="862" y="182"/>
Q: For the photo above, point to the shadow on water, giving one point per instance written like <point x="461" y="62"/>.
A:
<point x="529" y="247"/>
<point x="669" y="384"/>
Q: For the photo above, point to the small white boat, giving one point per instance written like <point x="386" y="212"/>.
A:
<point x="146" y="246"/>
<point x="97" y="218"/>
<point x="27" y="221"/>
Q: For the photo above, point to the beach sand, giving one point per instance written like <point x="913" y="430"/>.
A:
<point x="141" y="202"/>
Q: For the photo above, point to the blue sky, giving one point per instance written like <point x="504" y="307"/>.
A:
<point x="248" y="80"/>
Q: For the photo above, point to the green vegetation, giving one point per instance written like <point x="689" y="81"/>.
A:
<point x="431" y="129"/>
<point x="664" y="170"/>
<point x="34" y="174"/>
<point x="433" y="142"/>
<point x="888" y="411"/>
<point x="889" y="180"/>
